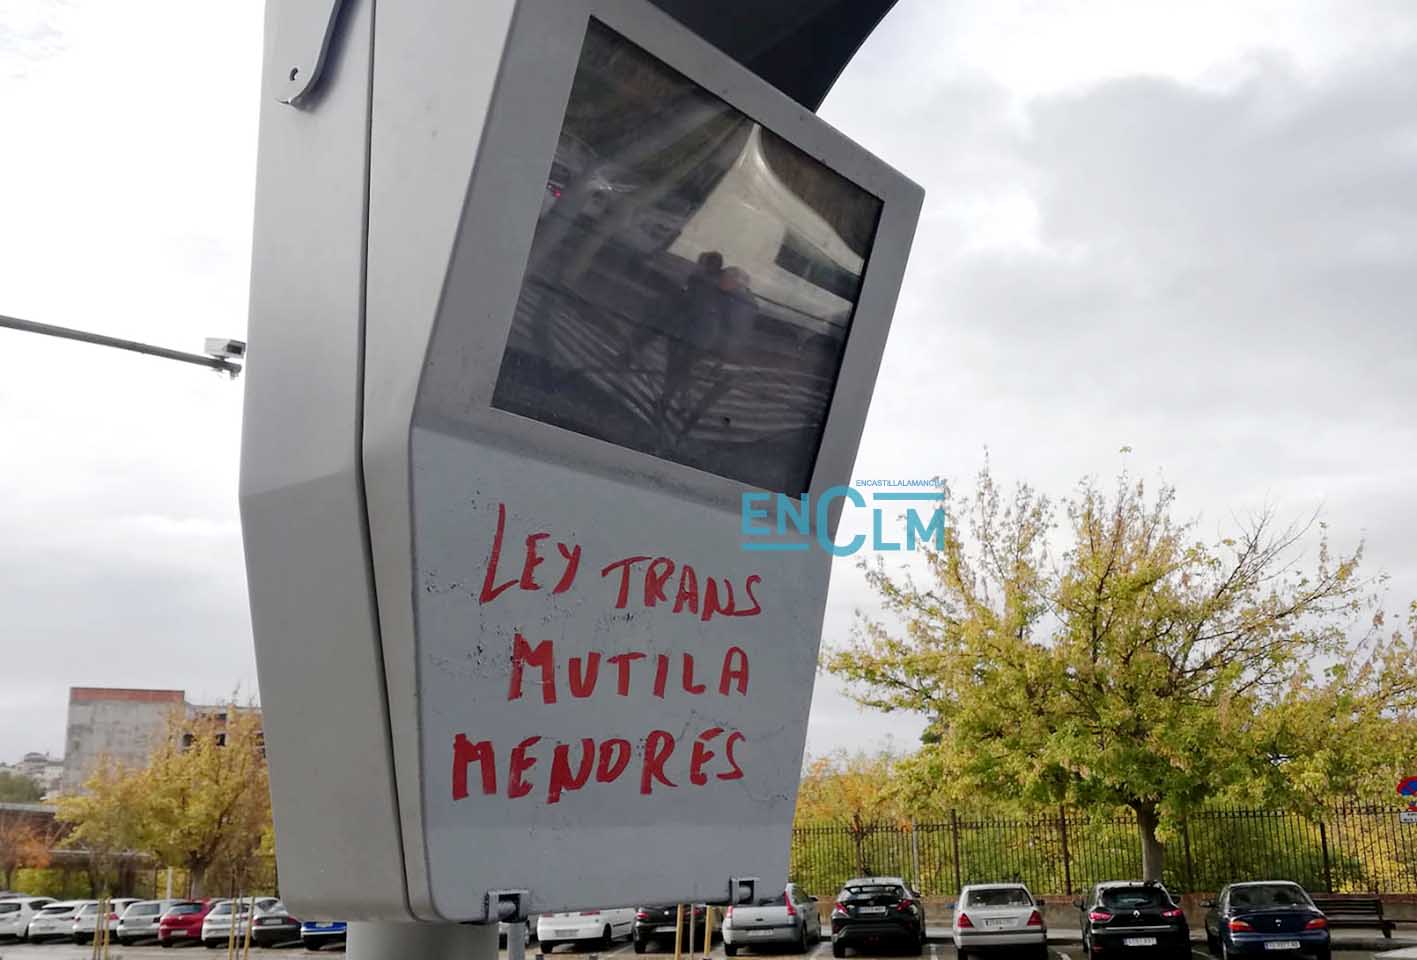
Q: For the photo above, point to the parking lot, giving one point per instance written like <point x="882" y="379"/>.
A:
<point x="934" y="950"/>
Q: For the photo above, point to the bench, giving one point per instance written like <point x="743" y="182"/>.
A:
<point x="1355" y="912"/>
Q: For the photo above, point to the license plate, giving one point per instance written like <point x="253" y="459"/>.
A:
<point x="996" y="923"/>
<point x="564" y="933"/>
<point x="177" y="933"/>
<point x="760" y="933"/>
<point x="1281" y="945"/>
<point x="1139" y="942"/>
<point x="871" y="911"/>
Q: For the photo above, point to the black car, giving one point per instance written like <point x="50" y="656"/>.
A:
<point x="1272" y="918"/>
<point x="1133" y="917"/>
<point x="878" y="910"/>
<point x="656" y="925"/>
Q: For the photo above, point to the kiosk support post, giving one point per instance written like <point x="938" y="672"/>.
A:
<point x="427" y="941"/>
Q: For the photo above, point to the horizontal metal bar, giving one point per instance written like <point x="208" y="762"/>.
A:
<point x="84" y="336"/>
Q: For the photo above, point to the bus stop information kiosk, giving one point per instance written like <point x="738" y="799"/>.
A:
<point x="540" y="290"/>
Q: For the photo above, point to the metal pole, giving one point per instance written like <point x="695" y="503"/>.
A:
<point x="954" y="834"/>
<point x="914" y="853"/>
<point x="1328" y="871"/>
<point x="426" y="941"/>
<point x="1067" y="856"/>
<point x="516" y="941"/>
<point x="83" y="336"/>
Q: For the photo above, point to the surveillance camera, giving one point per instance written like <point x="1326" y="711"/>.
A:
<point x="228" y="349"/>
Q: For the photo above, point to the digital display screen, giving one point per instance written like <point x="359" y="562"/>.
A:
<point x="691" y="280"/>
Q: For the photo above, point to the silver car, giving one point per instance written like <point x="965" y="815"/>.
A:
<point x="139" y="921"/>
<point x="791" y="917"/>
<point x="16" y="913"/>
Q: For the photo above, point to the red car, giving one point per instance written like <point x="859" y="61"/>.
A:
<point x="183" y="922"/>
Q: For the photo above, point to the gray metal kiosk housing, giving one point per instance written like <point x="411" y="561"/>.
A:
<point x="396" y="213"/>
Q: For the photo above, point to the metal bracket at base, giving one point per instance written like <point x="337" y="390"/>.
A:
<point x="302" y="42"/>
<point x="508" y="906"/>
<point x="743" y="890"/>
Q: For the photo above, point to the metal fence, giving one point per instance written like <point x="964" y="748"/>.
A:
<point x="1351" y="850"/>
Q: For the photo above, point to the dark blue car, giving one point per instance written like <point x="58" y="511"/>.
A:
<point x="1270" y="918"/>
<point x="316" y="934"/>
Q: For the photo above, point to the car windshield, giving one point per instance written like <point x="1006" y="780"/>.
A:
<point x="88" y="908"/>
<point x="1135" y="898"/>
<point x="182" y="909"/>
<point x="58" y="909"/>
<point x="1269" y="895"/>
<point x="875" y="890"/>
<point x="999" y="897"/>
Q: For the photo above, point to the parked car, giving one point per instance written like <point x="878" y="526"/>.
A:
<point x="1266" y="918"/>
<point x="872" y="910"/>
<point x="791" y="918"/>
<point x="139" y="921"/>
<point x="1122" y="916"/>
<point x="656" y="925"/>
<point x="273" y="925"/>
<point x="16" y="912"/>
<point x="86" y="920"/>
<point x="56" y="921"/>
<point x="318" y="934"/>
<point x="229" y="918"/>
<point x="182" y="923"/>
<point x="583" y="926"/>
<point x="1003" y="916"/>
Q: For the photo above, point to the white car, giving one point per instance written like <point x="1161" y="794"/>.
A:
<point x="139" y="921"/>
<point x="991" y="915"/>
<point x="86" y="920"/>
<point x="217" y="927"/>
<point x="583" y="926"/>
<point x="56" y="921"/>
<point x="17" y="912"/>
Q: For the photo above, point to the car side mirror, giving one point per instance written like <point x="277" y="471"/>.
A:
<point x="1208" y="904"/>
<point x="813" y="899"/>
<point x="1078" y="903"/>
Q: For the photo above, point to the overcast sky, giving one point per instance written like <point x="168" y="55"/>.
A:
<point x="1188" y="229"/>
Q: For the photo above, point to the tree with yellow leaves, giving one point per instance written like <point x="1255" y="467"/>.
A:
<point x="859" y="791"/>
<point x="209" y="795"/>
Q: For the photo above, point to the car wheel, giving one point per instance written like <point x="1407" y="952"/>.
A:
<point x="165" y="943"/>
<point x="838" y="949"/>
<point x="548" y="945"/>
<point x="917" y="947"/>
<point x="211" y="944"/>
<point x="641" y="946"/>
<point x="1224" y="949"/>
<point x="1325" y="954"/>
<point x="802" y="939"/>
<point x="730" y="949"/>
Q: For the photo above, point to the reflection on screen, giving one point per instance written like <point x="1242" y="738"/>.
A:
<point x="691" y="280"/>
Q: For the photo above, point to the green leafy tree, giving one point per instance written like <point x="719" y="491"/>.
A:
<point x="18" y="788"/>
<point x="858" y="791"/>
<point x="1137" y="668"/>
